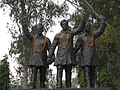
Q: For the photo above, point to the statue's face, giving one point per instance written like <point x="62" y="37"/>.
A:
<point x="88" y="27"/>
<point x="64" y="25"/>
<point x="39" y="28"/>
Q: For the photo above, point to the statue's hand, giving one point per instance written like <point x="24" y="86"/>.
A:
<point x="49" y="61"/>
<point x="103" y="19"/>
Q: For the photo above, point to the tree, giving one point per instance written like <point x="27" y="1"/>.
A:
<point x="4" y="74"/>
<point x="36" y="11"/>
<point x="45" y="11"/>
<point x="108" y="44"/>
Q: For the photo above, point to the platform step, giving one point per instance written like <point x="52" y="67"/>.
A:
<point x="73" y="89"/>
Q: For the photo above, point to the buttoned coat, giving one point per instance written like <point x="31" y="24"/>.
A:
<point x="38" y="58"/>
<point x="65" y="56"/>
<point x="88" y="54"/>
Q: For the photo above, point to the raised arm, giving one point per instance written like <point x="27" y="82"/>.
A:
<point x="24" y="20"/>
<point x="25" y="28"/>
<point x="80" y="27"/>
<point x="101" y="28"/>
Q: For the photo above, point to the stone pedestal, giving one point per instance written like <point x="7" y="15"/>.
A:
<point x="73" y="89"/>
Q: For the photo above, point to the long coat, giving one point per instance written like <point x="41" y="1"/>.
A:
<point x="38" y="58"/>
<point x="65" y="55"/>
<point x="89" y="56"/>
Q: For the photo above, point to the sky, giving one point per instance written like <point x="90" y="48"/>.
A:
<point x="6" y="39"/>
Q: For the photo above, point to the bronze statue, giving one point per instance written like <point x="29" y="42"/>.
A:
<point x="38" y="60"/>
<point x="64" y="58"/>
<point x="88" y="54"/>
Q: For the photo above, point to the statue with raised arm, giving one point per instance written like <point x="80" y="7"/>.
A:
<point x="89" y="58"/>
<point x="64" y="58"/>
<point x="38" y="59"/>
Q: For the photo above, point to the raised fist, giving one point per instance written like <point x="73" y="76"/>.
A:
<point x="83" y="18"/>
<point x="103" y="18"/>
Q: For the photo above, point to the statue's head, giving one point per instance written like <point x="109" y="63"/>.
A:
<point x="88" y="26"/>
<point x="39" y="28"/>
<point x="64" y="24"/>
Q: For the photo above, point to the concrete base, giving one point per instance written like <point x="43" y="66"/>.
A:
<point x="73" y="89"/>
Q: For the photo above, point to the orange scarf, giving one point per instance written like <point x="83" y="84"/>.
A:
<point x="66" y="42"/>
<point x="39" y="49"/>
<point x="93" y="40"/>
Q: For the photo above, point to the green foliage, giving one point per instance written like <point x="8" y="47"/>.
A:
<point x="4" y="74"/>
<point x="108" y="44"/>
<point x="108" y="49"/>
<point x="45" y="11"/>
<point x="81" y="77"/>
<point x="103" y="78"/>
<point x="51" y="80"/>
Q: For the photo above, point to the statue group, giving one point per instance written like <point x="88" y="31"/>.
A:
<point x="65" y="56"/>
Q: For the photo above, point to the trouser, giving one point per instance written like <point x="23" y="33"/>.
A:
<point x="42" y="76"/>
<point x="68" y="73"/>
<point x="89" y="76"/>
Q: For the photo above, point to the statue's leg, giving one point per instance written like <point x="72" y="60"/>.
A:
<point x="87" y="76"/>
<point x="92" y="76"/>
<point x="42" y="76"/>
<point x="33" y="77"/>
<point x="59" y="76"/>
<point x="68" y="73"/>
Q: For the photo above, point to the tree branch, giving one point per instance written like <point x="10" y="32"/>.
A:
<point x="74" y="5"/>
<point x="92" y="10"/>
